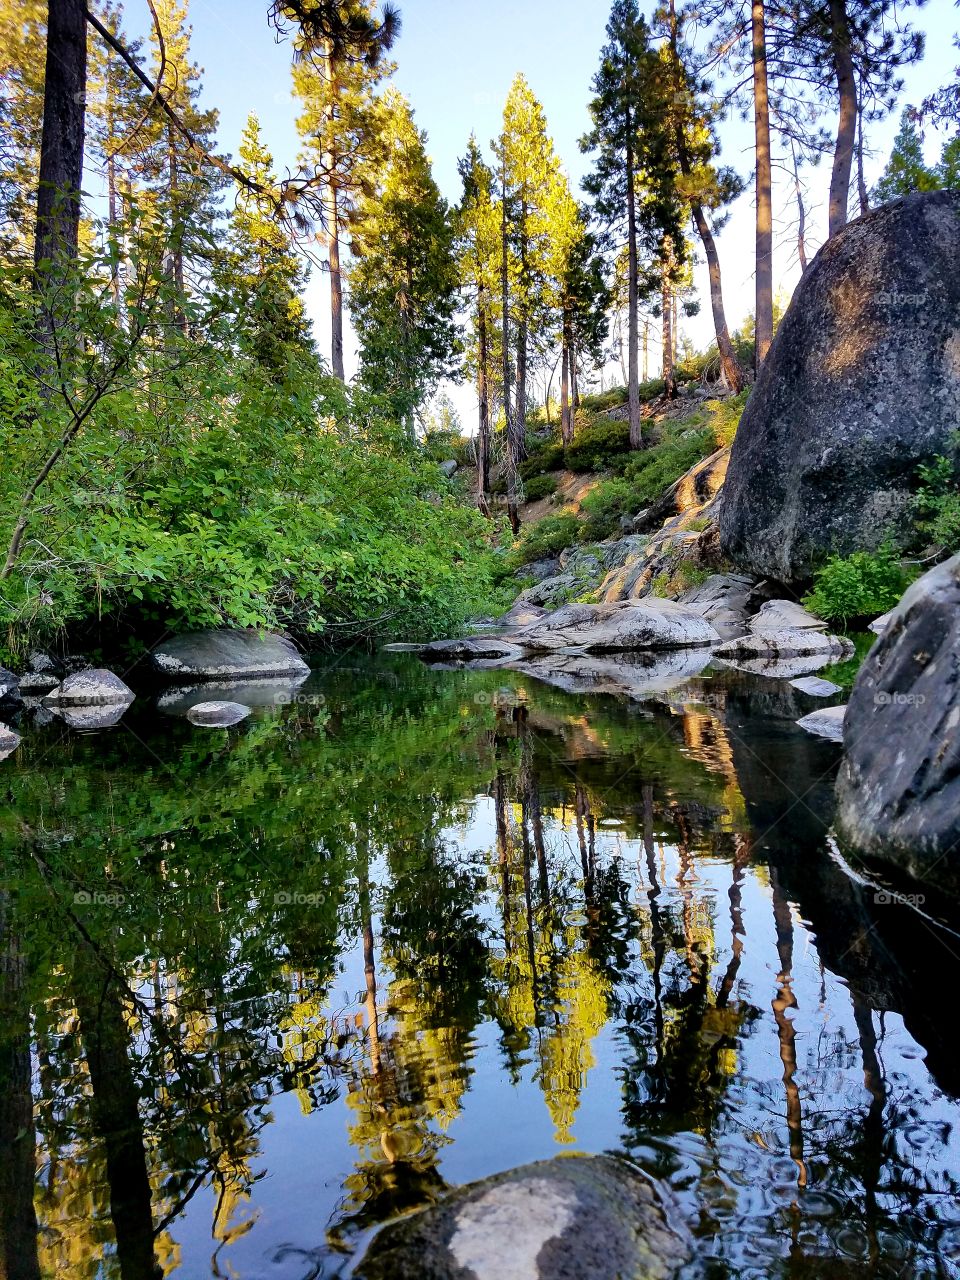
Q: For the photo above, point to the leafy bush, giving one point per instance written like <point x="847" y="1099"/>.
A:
<point x="862" y="585"/>
<point x="546" y="457"/>
<point x="937" y="503"/>
<point x="547" y="537"/>
<point x="596" y="444"/>
<point x="539" y="487"/>
<point x="603" y="507"/>
<point x="650" y="471"/>
<point x="601" y="401"/>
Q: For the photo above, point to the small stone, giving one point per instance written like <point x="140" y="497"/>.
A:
<point x="9" y="684"/>
<point x="217" y="715"/>
<point x="826" y="723"/>
<point x="38" y="682"/>
<point x="9" y="741"/>
<point x="94" y="687"/>
<point x="815" y="687"/>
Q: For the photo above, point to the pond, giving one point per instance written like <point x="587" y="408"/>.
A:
<point x="264" y="989"/>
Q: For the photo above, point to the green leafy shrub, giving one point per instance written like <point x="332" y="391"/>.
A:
<point x="601" y="401"/>
<point x="862" y="585"/>
<point x="597" y="444"/>
<point x="540" y="486"/>
<point x="603" y="507"/>
<point x="937" y="503"/>
<point x="650" y="471"/>
<point x="546" y="457"/>
<point x="546" y="538"/>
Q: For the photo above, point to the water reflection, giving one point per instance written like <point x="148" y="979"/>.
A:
<point x="263" y="989"/>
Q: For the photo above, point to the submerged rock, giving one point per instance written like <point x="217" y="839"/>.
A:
<point x="899" y="786"/>
<point x="94" y="687"/>
<point x="228" y="655"/>
<point x="470" y="649"/>
<point x="569" y="1218"/>
<point x="600" y="628"/>
<point x="217" y="715"/>
<point x="826" y="723"/>
<point x="816" y="688"/>
<point x="861" y="386"/>
<point x="796" y="642"/>
<point x="9" y="741"/>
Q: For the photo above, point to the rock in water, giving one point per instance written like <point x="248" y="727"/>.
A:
<point x="9" y="685"/>
<point x="575" y="1218"/>
<point x="228" y="655"/>
<point x="826" y="723"/>
<point x="9" y="741"/>
<point x="790" y="642"/>
<point x="93" y="687"/>
<point x="623" y="626"/>
<point x="861" y="385"/>
<point x="217" y="715"/>
<point x="899" y="786"/>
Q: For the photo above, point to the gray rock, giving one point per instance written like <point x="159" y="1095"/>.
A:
<point x="9" y="684"/>
<point x="471" y="649"/>
<point x="38" y="681"/>
<point x="44" y="664"/>
<point x="9" y="741"/>
<point x="899" y="787"/>
<point x="572" y="1218"/>
<point x="93" y="687"/>
<point x="227" y="655"/>
<point x="449" y="468"/>
<point x="776" y="615"/>
<point x="826" y="723"/>
<point x="879" y="625"/>
<point x="861" y="386"/>
<point x="795" y="642"/>
<point x="777" y="668"/>
<point x="90" y="719"/>
<point x="722" y="591"/>
<point x="521" y="613"/>
<point x="540" y="569"/>
<point x="551" y="591"/>
<point x="217" y="715"/>
<point x="177" y="700"/>
<point x="637" y="676"/>
<point x="816" y="688"/>
<point x="625" y="625"/>
<point x="402" y="646"/>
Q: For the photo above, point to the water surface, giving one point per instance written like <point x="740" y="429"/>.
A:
<point x="264" y="989"/>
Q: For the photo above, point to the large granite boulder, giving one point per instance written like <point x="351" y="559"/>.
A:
<point x="227" y="655"/>
<point x="569" y="1218"/>
<point x="899" y="787"/>
<point x="623" y="626"/>
<point x="861" y="385"/>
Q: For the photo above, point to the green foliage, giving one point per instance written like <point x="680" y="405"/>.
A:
<point x="651" y="471"/>
<point x="844" y="673"/>
<point x="937" y="503"/>
<point x="603" y="506"/>
<point x="545" y="538"/>
<point x="597" y="443"/>
<point x="540" y="486"/>
<point x="862" y="585"/>
<point x="547" y="456"/>
<point x="906" y="171"/>
<point x="600" y="401"/>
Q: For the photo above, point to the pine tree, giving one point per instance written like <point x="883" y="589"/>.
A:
<point x="261" y="269"/>
<point x="341" y="60"/>
<point x="905" y="171"/>
<point x="404" y="280"/>
<point x="528" y="167"/>
<point x="948" y="167"/>
<point x="185" y="187"/>
<point x="21" y="117"/>
<point x="478" y="250"/>
<point x="633" y="179"/>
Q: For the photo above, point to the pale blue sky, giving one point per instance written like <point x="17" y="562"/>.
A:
<point x="456" y="59"/>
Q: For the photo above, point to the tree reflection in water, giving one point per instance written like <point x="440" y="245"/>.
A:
<point x="262" y="990"/>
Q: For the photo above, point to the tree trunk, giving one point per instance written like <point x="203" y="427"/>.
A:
<point x="574" y="378"/>
<point x="761" y="121"/>
<point x="729" y="364"/>
<point x="669" y="382"/>
<point x="61" y="142"/>
<point x="566" y="417"/>
<point x="801" y="214"/>
<point x="520" y="408"/>
<point x="847" y="124"/>
<point x="483" y="396"/>
<point x="510" y="461"/>
<point x="862" y="194"/>
<point x="633" y="383"/>
<point x="336" y="289"/>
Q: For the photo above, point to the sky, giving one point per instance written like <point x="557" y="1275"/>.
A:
<point x="455" y="61"/>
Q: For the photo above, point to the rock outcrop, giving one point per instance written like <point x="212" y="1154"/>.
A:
<point x="575" y="1217"/>
<point x="227" y="655"/>
<point x="899" y="787"/>
<point x="624" y="626"/>
<point x="861" y="386"/>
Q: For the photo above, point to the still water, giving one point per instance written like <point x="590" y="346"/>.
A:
<point x="264" y="989"/>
